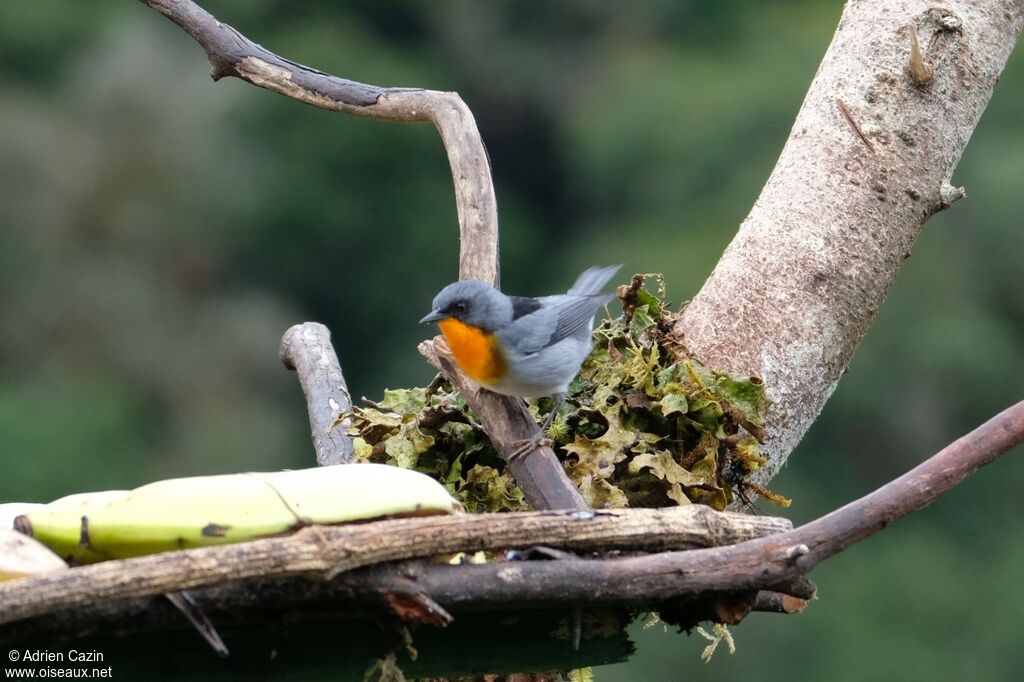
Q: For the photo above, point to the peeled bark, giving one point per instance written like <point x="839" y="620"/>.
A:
<point x="868" y="161"/>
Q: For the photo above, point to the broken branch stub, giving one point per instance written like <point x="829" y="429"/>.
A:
<point x="306" y="348"/>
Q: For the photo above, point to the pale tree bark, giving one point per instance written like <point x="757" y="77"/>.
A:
<point x="868" y="161"/>
<point x="307" y="350"/>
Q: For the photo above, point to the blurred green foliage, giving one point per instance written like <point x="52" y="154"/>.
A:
<point x="160" y="232"/>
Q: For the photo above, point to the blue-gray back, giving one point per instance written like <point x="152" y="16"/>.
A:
<point x="548" y="320"/>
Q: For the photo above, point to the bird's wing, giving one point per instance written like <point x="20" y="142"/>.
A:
<point x="541" y="322"/>
<point x="558" y="317"/>
<point x="531" y="332"/>
<point x="575" y="313"/>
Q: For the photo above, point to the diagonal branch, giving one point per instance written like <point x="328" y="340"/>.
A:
<point x="783" y="556"/>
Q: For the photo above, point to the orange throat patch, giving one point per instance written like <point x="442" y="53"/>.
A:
<point x="476" y="351"/>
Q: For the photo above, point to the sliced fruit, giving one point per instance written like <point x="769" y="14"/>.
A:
<point x="22" y="556"/>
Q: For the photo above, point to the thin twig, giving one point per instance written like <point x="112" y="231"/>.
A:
<point x="853" y="124"/>
<point x="197" y="618"/>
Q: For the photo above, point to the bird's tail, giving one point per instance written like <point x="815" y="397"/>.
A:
<point x="592" y="281"/>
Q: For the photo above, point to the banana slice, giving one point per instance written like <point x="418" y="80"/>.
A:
<point x="21" y="557"/>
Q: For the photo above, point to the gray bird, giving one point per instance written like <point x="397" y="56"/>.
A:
<point x="526" y="347"/>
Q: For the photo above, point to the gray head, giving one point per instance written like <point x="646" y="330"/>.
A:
<point x="473" y="303"/>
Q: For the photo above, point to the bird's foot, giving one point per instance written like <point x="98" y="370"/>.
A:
<point x="525" y="447"/>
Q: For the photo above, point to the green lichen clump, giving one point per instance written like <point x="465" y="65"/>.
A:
<point x="644" y="425"/>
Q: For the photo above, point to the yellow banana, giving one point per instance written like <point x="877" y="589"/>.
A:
<point x="60" y="523"/>
<point x="210" y="510"/>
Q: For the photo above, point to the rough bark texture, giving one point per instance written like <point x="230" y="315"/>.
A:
<point x="306" y="348"/>
<point x="325" y="551"/>
<point x="370" y="592"/>
<point x="868" y="161"/>
<point x="770" y="559"/>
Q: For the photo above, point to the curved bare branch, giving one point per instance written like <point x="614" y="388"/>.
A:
<point x="232" y="54"/>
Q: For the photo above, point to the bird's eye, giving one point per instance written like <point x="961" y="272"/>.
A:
<point x="460" y="306"/>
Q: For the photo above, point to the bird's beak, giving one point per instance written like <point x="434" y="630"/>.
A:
<point x="432" y="316"/>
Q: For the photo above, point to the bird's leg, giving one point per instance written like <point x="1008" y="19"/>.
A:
<point x="524" y="447"/>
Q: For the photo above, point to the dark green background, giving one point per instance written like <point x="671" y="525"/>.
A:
<point x="160" y="232"/>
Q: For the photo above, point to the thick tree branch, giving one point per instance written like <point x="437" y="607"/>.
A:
<point x="232" y="54"/>
<point x="363" y="593"/>
<point x="539" y="473"/>
<point x="868" y="161"/>
<point x="325" y="551"/>
<point x="783" y="556"/>
<point x="306" y="348"/>
<point x="747" y="566"/>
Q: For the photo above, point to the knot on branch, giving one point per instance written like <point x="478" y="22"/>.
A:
<point x="794" y="552"/>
